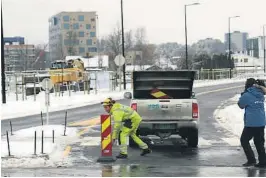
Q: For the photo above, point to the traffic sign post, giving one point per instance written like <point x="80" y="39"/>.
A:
<point x="120" y="61"/>
<point x="47" y="85"/>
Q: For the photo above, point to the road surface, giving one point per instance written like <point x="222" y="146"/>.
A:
<point x="218" y="153"/>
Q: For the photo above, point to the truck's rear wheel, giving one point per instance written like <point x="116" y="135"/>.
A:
<point x="192" y="138"/>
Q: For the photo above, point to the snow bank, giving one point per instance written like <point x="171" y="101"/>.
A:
<point x="204" y="83"/>
<point x="230" y="116"/>
<point x="22" y="147"/>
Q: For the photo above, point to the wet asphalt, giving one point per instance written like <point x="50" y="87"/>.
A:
<point x="213" y="157"/>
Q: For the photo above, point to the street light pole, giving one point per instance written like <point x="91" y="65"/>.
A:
<point x="264" y="50"/>
<point x="123" y="45"/>
<point x="186" y="30"/>
<point x="3" y="60"/>
<point x="229" y="45"/>
<point x="186" y="35"/>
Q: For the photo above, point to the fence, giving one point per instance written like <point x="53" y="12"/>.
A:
<point x="27" y="83"/>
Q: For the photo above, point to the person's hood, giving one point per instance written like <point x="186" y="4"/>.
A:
<point x="257" y="92"/>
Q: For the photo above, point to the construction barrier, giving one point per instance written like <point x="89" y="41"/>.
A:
<point x="106" y="140"/>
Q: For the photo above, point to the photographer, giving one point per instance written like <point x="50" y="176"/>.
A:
<point x="252" y="100"/>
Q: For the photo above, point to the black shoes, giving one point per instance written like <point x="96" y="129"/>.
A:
<point x="249" y="163"/>
<point x="121" y="156"/>
<point x="260" y="165"/>
<point x="145" y="151"/>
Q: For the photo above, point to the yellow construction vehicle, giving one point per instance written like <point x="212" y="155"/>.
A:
<point x="67" y="71"/>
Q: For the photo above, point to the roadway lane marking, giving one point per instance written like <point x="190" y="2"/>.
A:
<point x="87" y="122"/>
<point x="222" y="89"/>
<point x="67" y="151"/>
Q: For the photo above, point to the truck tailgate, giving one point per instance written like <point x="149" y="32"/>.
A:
<point x="164" y="109"/>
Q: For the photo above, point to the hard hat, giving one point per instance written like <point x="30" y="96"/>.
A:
<point x="108" y="102"/>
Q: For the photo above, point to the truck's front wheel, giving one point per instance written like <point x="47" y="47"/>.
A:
<point x="192" y="138"/>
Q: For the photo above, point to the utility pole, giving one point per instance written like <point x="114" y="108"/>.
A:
<point x="264" y="50"/>
<point x="186" y="35"/>
<point x="186" y="30"/>
<point x="229" y="45"/>
<point x="123" y="45"/>
<point x="3" y="60"/>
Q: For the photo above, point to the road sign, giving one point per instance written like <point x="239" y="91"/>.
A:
<point x="49" y="84"/>
<point x="120" y="60"/>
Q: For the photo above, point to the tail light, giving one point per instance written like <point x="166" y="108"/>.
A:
<point x="195" y="110"/>
<point x="134" y="106"/>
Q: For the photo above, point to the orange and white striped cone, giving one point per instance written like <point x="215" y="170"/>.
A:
<point x="106" y="141"/>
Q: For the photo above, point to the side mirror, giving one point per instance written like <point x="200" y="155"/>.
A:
<point x="127" y="95"/>
<point x="193" y="95"/>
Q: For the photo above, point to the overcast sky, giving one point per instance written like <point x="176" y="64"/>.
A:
<point x="163" y="19"/>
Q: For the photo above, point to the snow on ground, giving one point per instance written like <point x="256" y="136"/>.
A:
<point x="231" y="116"/>
<point x="204" y="83"/>
<point x="77" y="99"/>
<point x="22" y="147"/>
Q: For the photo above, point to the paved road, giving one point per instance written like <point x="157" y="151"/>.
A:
<point x="215" y="156"/>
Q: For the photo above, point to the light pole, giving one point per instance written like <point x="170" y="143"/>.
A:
<point x="229" y="47"/>
<point x="123" y="45"/>
<point x="186" y="29"/>
<point x="3" y="61"/>
<point x="264" y="50"/>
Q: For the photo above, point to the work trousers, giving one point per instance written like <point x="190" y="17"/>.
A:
<point x="257" y="133"/>
<point x="130" y="130"/>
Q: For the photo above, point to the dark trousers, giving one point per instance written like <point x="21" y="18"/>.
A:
<point x="257" y="133"/>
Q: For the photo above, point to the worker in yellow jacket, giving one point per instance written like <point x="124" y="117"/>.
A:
<point x="131" y="119"/>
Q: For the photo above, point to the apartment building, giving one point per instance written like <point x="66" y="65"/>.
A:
<point x="238" y="41"/>
<point x="19" y="57"/>
<point x="73" y="34"/>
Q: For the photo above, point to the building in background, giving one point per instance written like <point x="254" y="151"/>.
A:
<point x="14" y="40"/>
<point x="19" y="57"/>
<point x="238" y="42"/>
<point x="73" y="34"/>
<point x="255" y="47"/>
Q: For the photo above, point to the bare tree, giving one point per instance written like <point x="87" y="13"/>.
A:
<point x="72" y="42"/>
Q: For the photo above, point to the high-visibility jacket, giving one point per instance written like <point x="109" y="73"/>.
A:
<point x="120" y="113"/>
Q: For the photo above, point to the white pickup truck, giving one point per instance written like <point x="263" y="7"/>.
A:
<point x="166" y="103"/>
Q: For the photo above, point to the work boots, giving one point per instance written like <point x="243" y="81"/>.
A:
<point x="145" y="151"/>
<point x="121" y="156"/>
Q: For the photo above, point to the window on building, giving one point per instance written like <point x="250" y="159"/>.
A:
<point x="81" y="50"/>
<point x="92" y="34"/>
<point x="246" y="60"/>
<point x="88" y="26"/>
<point x="76" y="42"/>
<point x="76" y="26"/>
<point x="93" y="19"/>
<point x="66" y="26"/>
<point x="66" y="18"/>
<point x="81" y="34"/>
<point x="66" y="41"/>
<point x="89" y="42"/>
<point x="81" y="18"/>
<point x="93" y="49"/>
